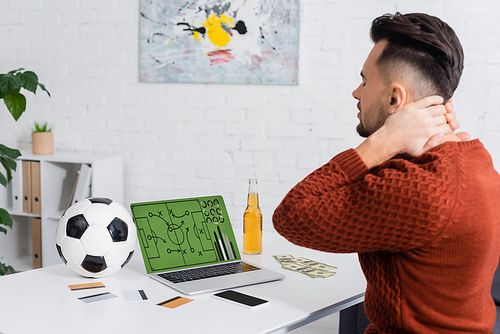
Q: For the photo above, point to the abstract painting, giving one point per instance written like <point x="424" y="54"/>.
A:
<point x="219" y="41"/>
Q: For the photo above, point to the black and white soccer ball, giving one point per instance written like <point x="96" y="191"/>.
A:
<point x="96" y="237"/>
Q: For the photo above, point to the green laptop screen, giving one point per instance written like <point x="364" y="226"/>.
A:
<point x="183" y="233"/>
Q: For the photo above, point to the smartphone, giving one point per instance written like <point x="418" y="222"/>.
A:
<point x="240" y="298"/>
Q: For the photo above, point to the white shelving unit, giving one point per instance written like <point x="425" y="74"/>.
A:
<point x="57" y="178"/>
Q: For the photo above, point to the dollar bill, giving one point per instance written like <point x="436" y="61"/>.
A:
<point x="283" y="258"/>
<point x="314" y="264"/>
<point x="294" y="267"/>
<point x="305" y="266"/>
<point x="316" y="273"/>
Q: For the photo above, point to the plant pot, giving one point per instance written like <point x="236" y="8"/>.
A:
<point x="42" y="142"/>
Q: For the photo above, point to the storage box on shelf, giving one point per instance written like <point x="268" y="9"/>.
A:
<point x="62" y="179"/>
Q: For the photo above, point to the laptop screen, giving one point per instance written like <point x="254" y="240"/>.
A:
<point x="184" y="233"/>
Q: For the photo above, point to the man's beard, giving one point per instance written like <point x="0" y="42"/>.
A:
<point x="364" y="131"/>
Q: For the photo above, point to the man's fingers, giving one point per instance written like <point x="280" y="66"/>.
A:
<point x="443" y="129"/>
<point x="437" y="110"/>
<point x="437" y="120"/>
<point x="429" y="101"/>
<point x="437" y="138"/>
<point x="463" y="135"/>
<point x="449" y="106"/>
<point x="452" y="121"/>
<point x="433" y="142"/>
<point x="450" y="115"/>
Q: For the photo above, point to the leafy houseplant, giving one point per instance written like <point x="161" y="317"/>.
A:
<point x="10" y="92"/>
<point x="42" y="138"/>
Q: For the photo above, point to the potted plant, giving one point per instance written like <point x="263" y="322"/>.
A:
<point x="10" y="92"/>
<point x="42" y="139"/>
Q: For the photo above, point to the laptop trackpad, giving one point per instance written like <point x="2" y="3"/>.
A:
<point x="265" y="274"/>
<point x="220" y="282"/>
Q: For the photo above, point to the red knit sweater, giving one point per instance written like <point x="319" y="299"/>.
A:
<point x="427" y="231"/>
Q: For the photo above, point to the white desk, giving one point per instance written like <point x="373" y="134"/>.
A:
<point x="39" y="301"/>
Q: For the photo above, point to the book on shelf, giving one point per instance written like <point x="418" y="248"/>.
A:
<point x="72" y="195"/>
<point x="82" y="184"/>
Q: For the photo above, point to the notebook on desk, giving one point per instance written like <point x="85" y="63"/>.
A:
<point x="189" y="245"/>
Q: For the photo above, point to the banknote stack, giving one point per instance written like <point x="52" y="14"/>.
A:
<point x="305" y="266"/>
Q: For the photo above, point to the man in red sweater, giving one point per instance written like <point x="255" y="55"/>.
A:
<point x="418" y="204"/>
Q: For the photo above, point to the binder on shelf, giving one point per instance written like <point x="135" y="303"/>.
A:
<point x="36" y="206"/>
<point x="17" y="188"/>
<point x="31" y="187"/>
<point x="36" y="229"/>
<point x="26" y="168"/>
<point x="83" y="183"/>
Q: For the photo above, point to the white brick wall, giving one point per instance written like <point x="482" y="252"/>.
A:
<point x="187" y="139"/>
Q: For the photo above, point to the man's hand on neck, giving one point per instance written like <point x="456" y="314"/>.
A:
<point x="416" y="128"/>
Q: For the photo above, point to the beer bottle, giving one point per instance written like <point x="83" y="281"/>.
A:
<point x="252" y="222"/>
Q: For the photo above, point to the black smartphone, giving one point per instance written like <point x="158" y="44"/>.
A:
<point x="240" y="298"/>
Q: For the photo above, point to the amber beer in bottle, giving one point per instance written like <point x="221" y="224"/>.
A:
<point x="252" y="222"/>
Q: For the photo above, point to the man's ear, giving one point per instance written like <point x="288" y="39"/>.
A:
<point x="398" y="97"/>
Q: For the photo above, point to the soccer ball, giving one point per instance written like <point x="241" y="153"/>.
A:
<point x="96" y="237"/>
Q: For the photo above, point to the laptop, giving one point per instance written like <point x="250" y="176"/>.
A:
<point x="189" y="245"/>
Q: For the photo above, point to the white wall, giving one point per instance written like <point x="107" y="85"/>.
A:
<point x="190" y="139"/>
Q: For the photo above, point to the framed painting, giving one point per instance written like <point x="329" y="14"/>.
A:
<point x="213" y="41"/>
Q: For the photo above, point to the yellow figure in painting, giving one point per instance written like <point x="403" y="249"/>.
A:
<point x="218" y="29"/>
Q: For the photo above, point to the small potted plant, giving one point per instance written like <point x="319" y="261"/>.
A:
<point x="42" y="139"/>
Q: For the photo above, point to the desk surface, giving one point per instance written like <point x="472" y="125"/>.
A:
<point x="40" y="300"/>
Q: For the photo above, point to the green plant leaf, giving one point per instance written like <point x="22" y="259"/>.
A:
<point x="8" y="163"/>
<point x="8" y="170"/>
<point x="4" y="269"/>
<point x="29" y="80"/>
<point x="5" y="219"/>
<point x="8" y="83"/>
<point x="9" y="152"/>
<point x="7" y="156"/>
<point x="15" y="71"/>
<point x="3" y="180"/>
<point x="44" y="89"/>
<point x="16" y="103"/>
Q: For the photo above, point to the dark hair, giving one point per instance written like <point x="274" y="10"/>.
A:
<point x="424" y="42"/>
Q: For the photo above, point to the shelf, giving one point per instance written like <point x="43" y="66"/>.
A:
<point x="64" y="157"/>
<point x="22" y="214"/>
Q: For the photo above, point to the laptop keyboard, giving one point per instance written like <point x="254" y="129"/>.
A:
<point x="208" y="272"/>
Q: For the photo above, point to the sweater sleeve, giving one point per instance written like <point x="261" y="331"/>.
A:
<point x="343" y="207"/>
